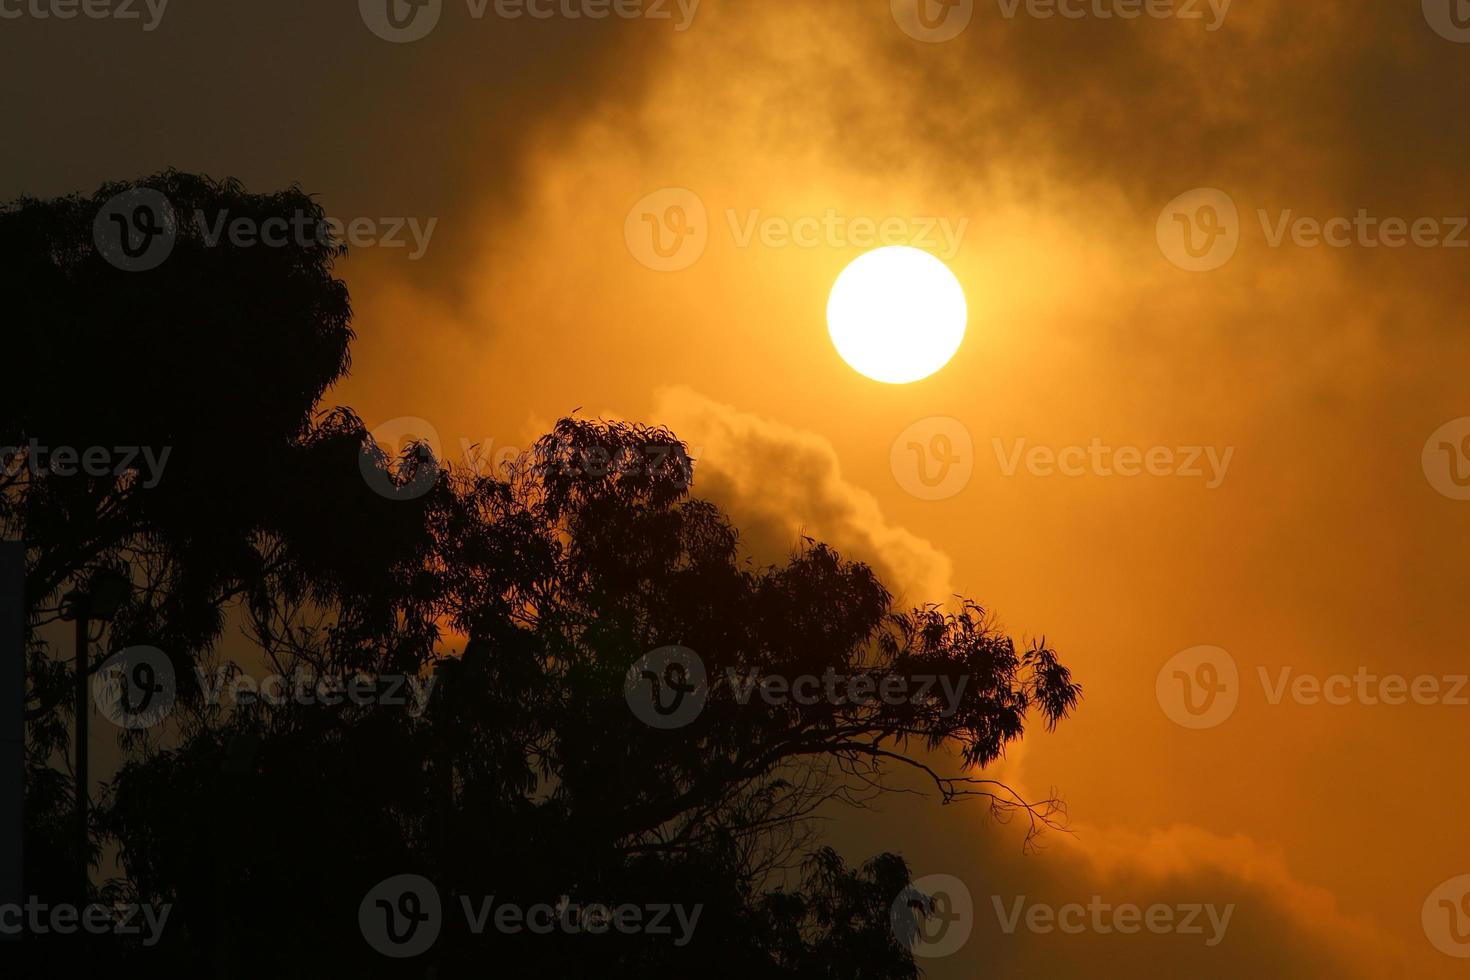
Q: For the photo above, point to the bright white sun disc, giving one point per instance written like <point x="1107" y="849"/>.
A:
<point x="897" y="314"/>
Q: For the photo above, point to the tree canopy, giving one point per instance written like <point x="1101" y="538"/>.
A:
<point x="529" y="602"/>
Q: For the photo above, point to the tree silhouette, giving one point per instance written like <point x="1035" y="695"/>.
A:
<point x="218" y="358"/>
<point x="531" y="597"/>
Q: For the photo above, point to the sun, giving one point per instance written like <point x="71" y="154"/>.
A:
<point x="897" y="314"/>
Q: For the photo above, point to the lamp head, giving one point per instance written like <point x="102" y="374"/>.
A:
<point x="106" y="590"/>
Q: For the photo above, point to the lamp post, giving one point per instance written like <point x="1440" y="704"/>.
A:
<point x="12" y="723"/>
<point x="105" y="592"/>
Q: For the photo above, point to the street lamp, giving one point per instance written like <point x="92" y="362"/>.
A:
<point x="105" y="592"/>
<point x="12" y="723"/>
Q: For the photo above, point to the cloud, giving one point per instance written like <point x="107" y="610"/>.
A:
<point x="1061" y="141"/>
<point x="1266" y="921"/>
<point x="1278" y="926"/>
<point x="778" y="483"/>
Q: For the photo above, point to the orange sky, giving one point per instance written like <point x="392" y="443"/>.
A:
<point x="1055" y="144"/>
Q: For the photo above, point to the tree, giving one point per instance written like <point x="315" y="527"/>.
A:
<point x="543" y="603"/>
<point x="197" y="384"/>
